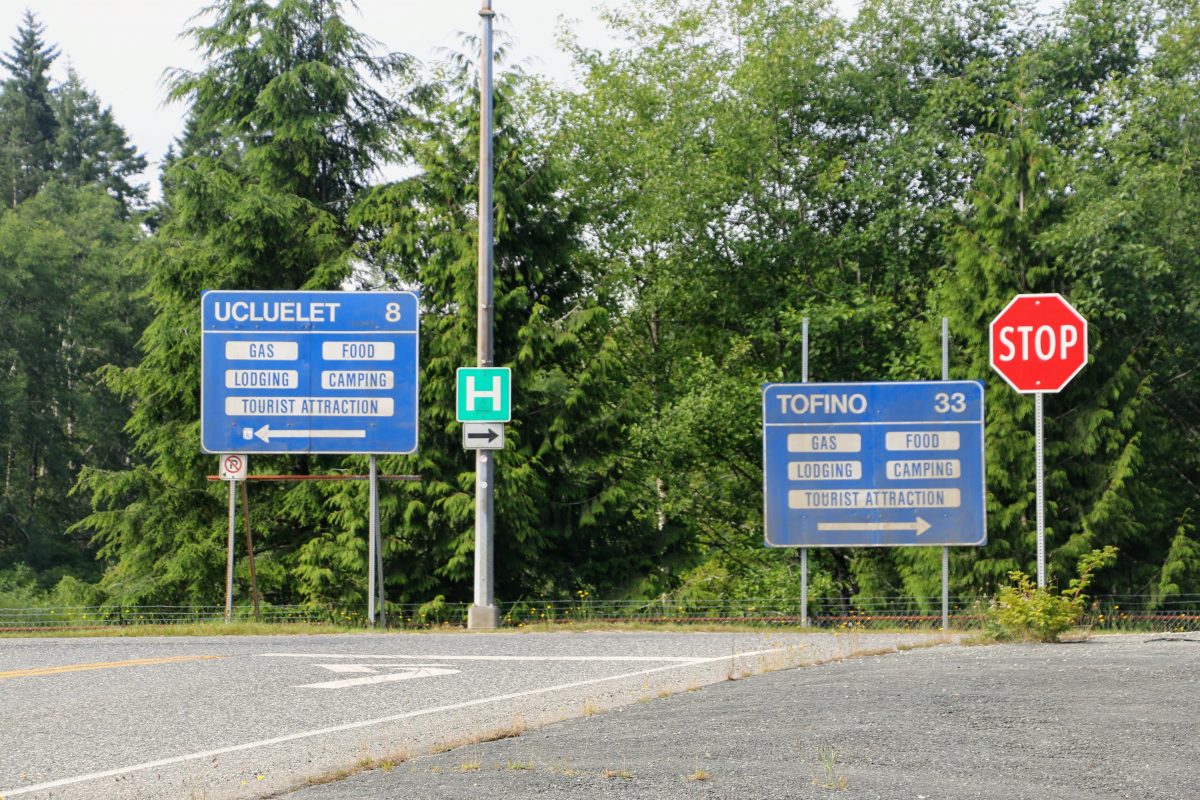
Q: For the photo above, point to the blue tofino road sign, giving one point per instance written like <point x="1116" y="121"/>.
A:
<point x="873" y="464"/>
<point x="309" y="372"/>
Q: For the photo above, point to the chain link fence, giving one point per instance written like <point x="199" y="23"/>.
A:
<point x="1129" y="613"/>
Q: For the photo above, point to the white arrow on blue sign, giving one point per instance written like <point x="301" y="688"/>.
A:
<point x="873" y="464"/>
<point x="309" y="372"/>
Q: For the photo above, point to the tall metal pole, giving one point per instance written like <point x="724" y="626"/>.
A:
<point x="804" y="550"/>
<point x="483" y="614"/>
<point x="945" y="550"/>
<point x="229" y="553"/>
<point x="372" y="522"/>
<point x="1041" y="491"/>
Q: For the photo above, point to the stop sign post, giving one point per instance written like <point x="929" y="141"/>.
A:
<point x="1038" y="344"/>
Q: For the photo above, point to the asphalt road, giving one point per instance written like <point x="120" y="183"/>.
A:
<point x="1114" y="717"/>
<point x="243" y="717"/>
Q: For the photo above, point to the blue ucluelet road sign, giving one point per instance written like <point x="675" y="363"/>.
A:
<point x="309" y="372"/>
<point x="873" y="464"/>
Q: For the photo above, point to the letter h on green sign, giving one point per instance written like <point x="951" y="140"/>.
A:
<point x="484" y="394"/>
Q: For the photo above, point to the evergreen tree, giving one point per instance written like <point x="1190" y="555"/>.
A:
<point x="286" y="124"/>
<point x="91" y="148"/>
<point x="66" y="294"/>
<point x="28" y="127"/>
<point x="566" y="512"/>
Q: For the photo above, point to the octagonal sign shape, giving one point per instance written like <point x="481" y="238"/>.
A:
<point x="1038" y="343"/>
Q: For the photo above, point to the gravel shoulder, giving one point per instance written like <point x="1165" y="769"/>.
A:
<point x="1113" y="717"/>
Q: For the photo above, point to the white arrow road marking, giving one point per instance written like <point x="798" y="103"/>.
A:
<point x="402" y="673"/>
<point x="346" y="667"/>
<point x="919" y="525"/>
<point x="444" y="657"/>
<point x="266" y="434"/>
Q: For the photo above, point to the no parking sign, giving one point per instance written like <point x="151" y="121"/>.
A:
<point x="233" y="466"/>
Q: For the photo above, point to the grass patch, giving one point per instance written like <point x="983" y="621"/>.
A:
<point x="830" y="771"/>
<point x="219" y="628"/>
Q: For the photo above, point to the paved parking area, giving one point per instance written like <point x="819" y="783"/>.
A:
<point x="1114" y="717"/>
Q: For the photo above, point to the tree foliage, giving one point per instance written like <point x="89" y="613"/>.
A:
<point x="727" y="170"/>
<point x="286" y="122"/>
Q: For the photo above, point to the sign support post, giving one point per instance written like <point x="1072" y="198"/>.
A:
<point x="1040" y="481"/>
<point x="234" y="468"/>
<point x="250" y="551"/>
<point x="229" y="553"/>
<point x="377" y="539"/>
<point x="371" y="533"/>
<point x="804" y="550"/>
<point x="483" y="615"/>
<point x="945" y="549"/>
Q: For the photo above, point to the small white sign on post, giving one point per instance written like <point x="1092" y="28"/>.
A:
<point x="483" y="435"/>
<point x="233" y="466"/>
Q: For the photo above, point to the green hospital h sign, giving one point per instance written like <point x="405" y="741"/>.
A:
<point x="484" y="394"/>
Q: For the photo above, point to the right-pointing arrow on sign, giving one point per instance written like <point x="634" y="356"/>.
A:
<point x="490" y="434"/>
<point x="919" y="525"/>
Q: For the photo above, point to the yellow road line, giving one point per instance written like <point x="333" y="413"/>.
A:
<point x="137" y="662"/>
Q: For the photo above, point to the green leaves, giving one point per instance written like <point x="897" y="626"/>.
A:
<point x="731" y="169"/>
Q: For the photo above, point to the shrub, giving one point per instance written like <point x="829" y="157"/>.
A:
<point x="1024" y="612"/>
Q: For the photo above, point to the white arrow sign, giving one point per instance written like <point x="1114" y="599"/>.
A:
<point x="266" y="434"/>
<point x="400" y="673"/>
<point x="483" y="435"/>
<point x="919" y="525"/>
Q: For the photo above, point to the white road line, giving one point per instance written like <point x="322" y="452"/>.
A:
<point x="407" y="675"/>
<point x="350" y="726"/>
<point x="376" y="667"/>
<point x="440" y="657"/>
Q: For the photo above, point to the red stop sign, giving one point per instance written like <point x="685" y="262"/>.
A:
<point x="1038" y="342"/>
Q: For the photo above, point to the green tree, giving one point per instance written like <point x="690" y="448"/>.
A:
<point x="1130" y="247"/>
<point x="91" y="148"/>
<point x="28" y="126"/>
<point x="566" y="510"/>
<point x="66" y="293"/>
<point x="287" y="119"/>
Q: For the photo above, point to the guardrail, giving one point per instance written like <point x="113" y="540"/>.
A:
<point x="1105" y="613"/>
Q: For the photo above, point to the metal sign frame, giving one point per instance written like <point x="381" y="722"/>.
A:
<point x="874" y="464"/>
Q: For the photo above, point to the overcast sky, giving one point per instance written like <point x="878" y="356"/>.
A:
<point x="121" y="47"/>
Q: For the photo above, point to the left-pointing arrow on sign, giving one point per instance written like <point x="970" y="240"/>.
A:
<point x="266" y="434"/>
<point x="919" y="525"/>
